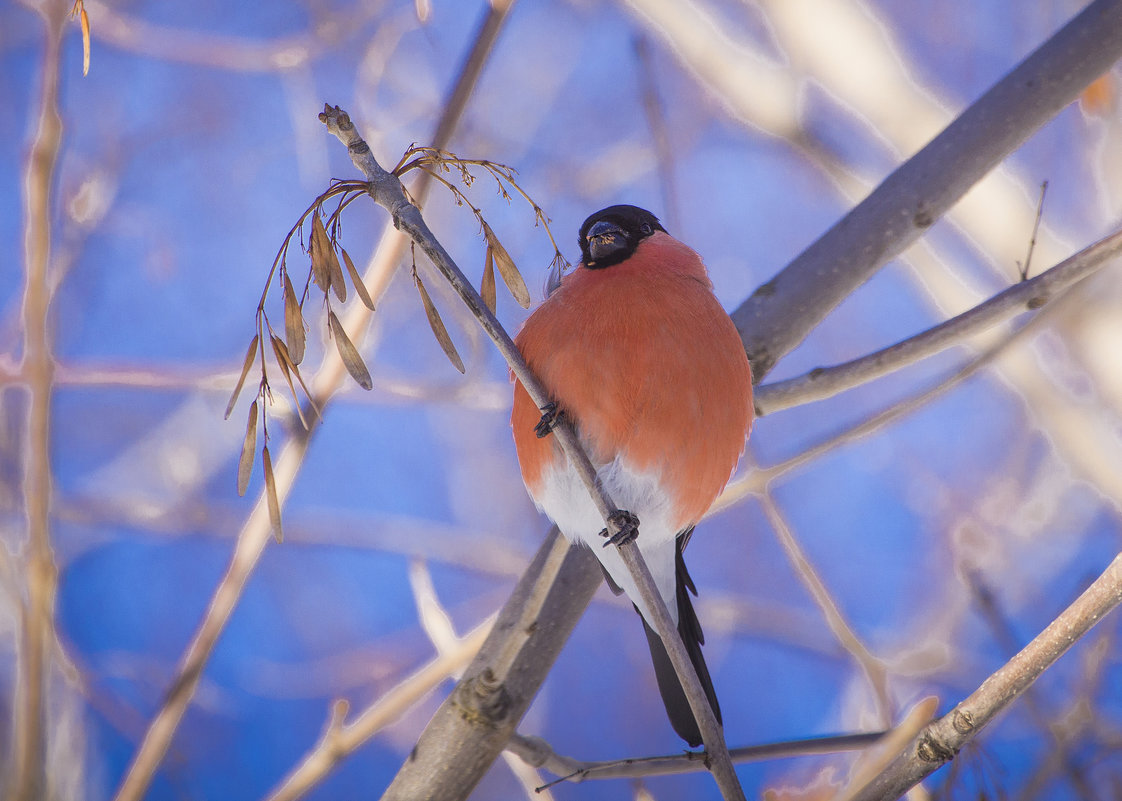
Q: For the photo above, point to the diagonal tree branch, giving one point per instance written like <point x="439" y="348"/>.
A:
<point x="940" y="741"/>
<point x="825" y="382"/>
<point x="780" y="314"/>
<point x="386" y="190"/>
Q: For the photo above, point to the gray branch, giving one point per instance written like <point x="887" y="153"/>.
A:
<point x="780" y="314"/>
<point x="941" y="740"/>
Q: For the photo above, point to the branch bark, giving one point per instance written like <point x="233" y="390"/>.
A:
<point x="940" y="741"/>
<point x="825" y="382"/>
<point x="780" y="314"/>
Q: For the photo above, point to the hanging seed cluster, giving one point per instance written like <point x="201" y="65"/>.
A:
<point x="331" y="269"/>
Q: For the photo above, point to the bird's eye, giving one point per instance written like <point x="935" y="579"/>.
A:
<point x="645" y="229"/>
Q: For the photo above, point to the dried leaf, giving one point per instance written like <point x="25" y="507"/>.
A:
<point x="271" y="495"/>
<point x="487" y="287"/>
<point x="507" y="270"/>
<point x="85" y="18"/>
<point x="321" y="252"/>
<point x="249" y="448"/>
<point x="338" y="283"/>
<point x="249" y="356"/>
<point x="349" y="353"/>
<point x="437" y="325"/>
<point x="356" y="279"/>
<point x="288" y="368"/>
<point x="293" y="323"/>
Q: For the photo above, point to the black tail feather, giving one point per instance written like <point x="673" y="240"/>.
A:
<point x="673" y="696"/>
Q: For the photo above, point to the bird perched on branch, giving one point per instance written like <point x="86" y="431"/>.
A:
<point x="638" y="354"/>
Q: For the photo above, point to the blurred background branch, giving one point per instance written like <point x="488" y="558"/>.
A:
<point x="751" y="128"/>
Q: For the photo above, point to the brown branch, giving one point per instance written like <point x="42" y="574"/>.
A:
<point x="941" y="741"/>
<point x="340" y="738"/>
<point x="825" y="382"/>
<point x="387" y="191"/>
<point x="30" y="782"/>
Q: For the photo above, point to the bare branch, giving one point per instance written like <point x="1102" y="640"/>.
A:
<point x="386" y="190"/>
<point x="906" y="203"/>
<point x="340" y="739"/>
<point x="537" y="752"/>
<point x="941" y="741"/>
<point x="825" y="382"/>
<point x="30" y="781"/>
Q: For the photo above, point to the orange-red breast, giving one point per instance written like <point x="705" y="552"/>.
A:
<point x="637" y="353"/>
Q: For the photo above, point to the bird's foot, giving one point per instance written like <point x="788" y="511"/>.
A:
<point x="550" y="415"/>
<point x="627" y="526"/>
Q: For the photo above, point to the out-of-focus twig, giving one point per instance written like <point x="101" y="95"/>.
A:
<point x="914" y="196"/>
<point x="30" y="735"/>
<point x="255" y="533"/>
<point x="873" y="668"/>
<point x="340" y="738"/>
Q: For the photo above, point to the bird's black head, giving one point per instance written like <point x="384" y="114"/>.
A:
<point x="611" y="235"/>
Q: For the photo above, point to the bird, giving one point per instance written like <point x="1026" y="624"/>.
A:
<point x="638" y="355"/>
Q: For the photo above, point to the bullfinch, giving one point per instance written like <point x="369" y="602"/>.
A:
<point x="637" y="353"/>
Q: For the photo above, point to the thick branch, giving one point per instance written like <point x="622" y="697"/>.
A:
<point x="941" y="741"/>
<point x="781" y="313"/>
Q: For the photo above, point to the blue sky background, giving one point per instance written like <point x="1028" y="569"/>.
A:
<point x="181" y="173"/>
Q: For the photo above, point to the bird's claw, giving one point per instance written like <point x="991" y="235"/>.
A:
<point x="627" y="526"/>
<point x="550" y="415"/>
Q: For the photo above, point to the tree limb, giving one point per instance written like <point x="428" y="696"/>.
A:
<point x="386" y="190"/>
<point x="825" y="382"/>
<point x="780" y="314"/>
<point x="940" y="741"/>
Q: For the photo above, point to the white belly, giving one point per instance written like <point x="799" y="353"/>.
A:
<point x="566" y="500"/>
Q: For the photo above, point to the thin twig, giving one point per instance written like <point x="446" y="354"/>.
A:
<point x="340" y="739"/>
<point x="824" y="382"/>
<point x="1035" y="230"/>
<point x="386" y="190"/>
<point x="30" y="781"/>
<point x="535" y="751"/>
<point x="941" y="741"/>
<point x="873" y="667"/>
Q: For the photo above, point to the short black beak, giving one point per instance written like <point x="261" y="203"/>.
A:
<point x="605" y="239"/>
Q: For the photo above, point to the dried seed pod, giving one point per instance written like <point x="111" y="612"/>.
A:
<point x="288" y="368"/>
<point x="507" y="270"/>
<point x="356" y="280"/>
<point x="271" y="497"/>
<point x="249" y="356"/>
<point x="437" y="325"/>
<point x="349" y="353"/>
<point x="323" y="271"/>
<point x="293" y="323"/>
<point x="487" y="286"/>
<point x="249" y="449"/>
